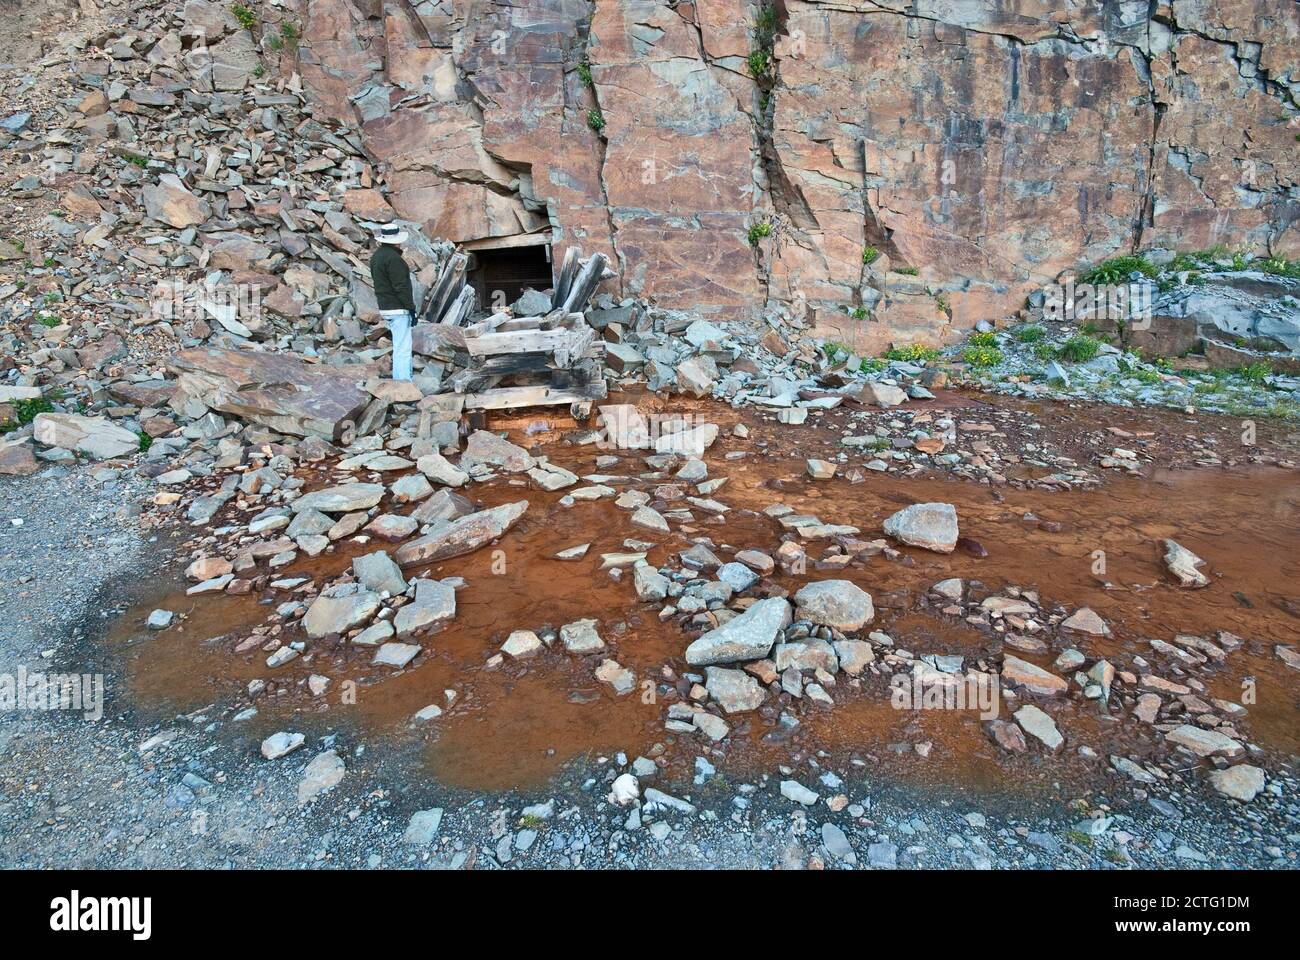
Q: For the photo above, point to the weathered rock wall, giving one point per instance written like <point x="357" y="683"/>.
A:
<point x="987" y="146"/>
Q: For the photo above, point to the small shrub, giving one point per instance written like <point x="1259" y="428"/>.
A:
<point x="1256" y="372"/>
<point x="146" y="441"/>
<point x="982" y="356"/>
<point x="596" y="120"/>
<point x="1079" y="838"/>
<point x="907" y="271"/>
<point x="25" y="411"/>
<point x="1029" y="333"/>
<point x="984" y="338"/>
<point x="759" y="62"/>
<point x="245" y="15"/>
<point x="1044" y="352"/>
<point x="870" y="255"/>
<point x="941" y="302"/>
<point x="912" y="353"/>
<point x="1079" y="348"/>
<point x="1281" y="267"/>
<point x="584" y="73"/>
<point x="1118" y="270"/>
<point x="47" y="320"/>
<point x="758" y="231"/>
<point x="859" y="313"/>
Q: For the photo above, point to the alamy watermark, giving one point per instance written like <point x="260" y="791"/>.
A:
<point x="1126" y="303"/>
<point x="35" y="690"/>
<point x="935" y="690"/>
<point x="191" y="300"/>
<point x="622" y="429"/>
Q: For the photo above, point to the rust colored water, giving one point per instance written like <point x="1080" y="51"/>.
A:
<point x="516" y="726"/>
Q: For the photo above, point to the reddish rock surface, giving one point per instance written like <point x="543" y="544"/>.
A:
<point x="987" y="149"/>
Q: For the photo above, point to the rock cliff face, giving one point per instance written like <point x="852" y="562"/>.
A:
<point x="987" y="146"/>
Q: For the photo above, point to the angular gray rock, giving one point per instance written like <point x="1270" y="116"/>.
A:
<point x="434" y="605"/>
<point x="747" y="637"/>
<point x="840" y="604"/>
<point x="1182" y="563"/>
<point x="338" y="609"/>
<point x="344" y="498"/>
<point x="929" y="525"/>
<point x="377" y="571"/>
<point x="581" y="636"/>
<point x="462" y="535"/>
<point x="734" y="690"/>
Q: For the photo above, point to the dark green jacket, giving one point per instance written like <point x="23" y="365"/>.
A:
<point x="392" y="280"/>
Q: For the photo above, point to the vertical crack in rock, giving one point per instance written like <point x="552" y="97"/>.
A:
<point x="603" y="158"/>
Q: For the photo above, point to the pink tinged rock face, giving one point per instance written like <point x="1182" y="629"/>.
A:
<point x="973" y="148"/>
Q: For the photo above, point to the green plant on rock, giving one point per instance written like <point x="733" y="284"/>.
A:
<point x="860" y="313"/>
<point x="1281" y="267"/>
<point x="1029" y="333"/>
<point x="758" y="231"/>
<point x="982" y="356"/>
<point x="1043" y="351"/>
<point x="47" y="320"/>
<point x="912" y="353"/>
<point x="870" y="255"/>
<point x="584" y="73"/>
<point x="941" y="302"/>
<point x="25" y="411"/>
<point x="146" y="441"/>
<point x="1255" y="372"/>
<point x="759" y="63"/>
<point x="245" y="15"/>
<point x="984" y="338"/>
<point x="596" y="120"/>
<point x="1079" y="349"/>
<point x="906" y="271"/>
<point x="1119" y="269"/>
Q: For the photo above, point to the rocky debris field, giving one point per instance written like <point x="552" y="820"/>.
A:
<point x="327" y="788"/>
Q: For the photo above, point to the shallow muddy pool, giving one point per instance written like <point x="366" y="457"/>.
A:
<point x="515" y="726"/>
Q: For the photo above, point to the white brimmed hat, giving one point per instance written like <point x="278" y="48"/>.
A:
<point x="390" y="234"/>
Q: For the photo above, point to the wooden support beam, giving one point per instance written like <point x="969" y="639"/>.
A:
<point x="508" y="398"/>
<point x="584" y="285"/>
<point x="568" y="270"/>
<point x="445" y="288"/>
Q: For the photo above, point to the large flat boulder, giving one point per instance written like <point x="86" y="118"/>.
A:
<point x="462" y="535"/>
<point x="96" y="437"/>
<point x="345" y="498"/>
<point x="339" y="609"/>
<point x="747" y="637"/>
<point x="282" y="391"/>
<point x="929" y="525"/>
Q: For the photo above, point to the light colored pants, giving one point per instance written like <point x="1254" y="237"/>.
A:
<point x="399" y="327"/>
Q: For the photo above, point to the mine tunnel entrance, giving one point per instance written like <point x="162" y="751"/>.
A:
<point x="500" y="270"/>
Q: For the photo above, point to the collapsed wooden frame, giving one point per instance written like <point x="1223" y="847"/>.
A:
<point x="558" y="349"/>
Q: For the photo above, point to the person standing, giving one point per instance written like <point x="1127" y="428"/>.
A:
<point x="393" y="295"/>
